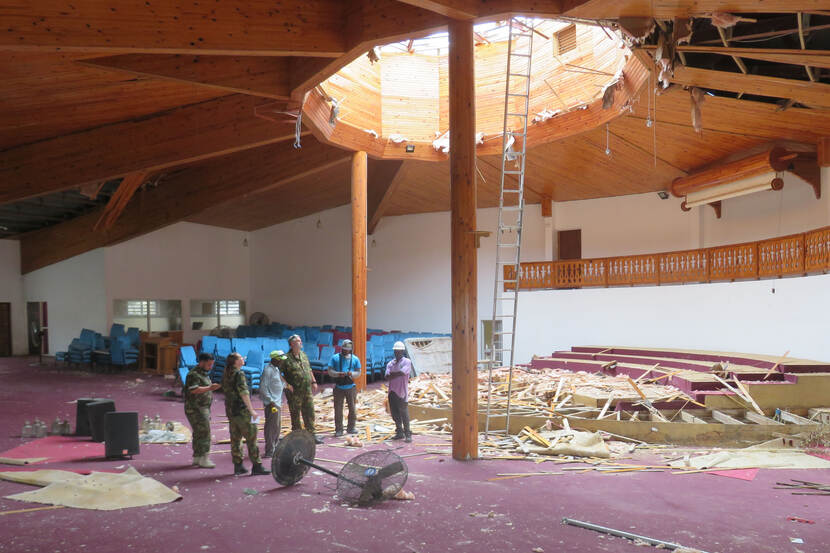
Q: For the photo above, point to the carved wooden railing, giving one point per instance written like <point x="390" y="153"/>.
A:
<point x="798" y="254"/>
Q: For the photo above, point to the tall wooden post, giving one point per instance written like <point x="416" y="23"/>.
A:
<point x="359" y="261"/>
<point x="463" y="247"/>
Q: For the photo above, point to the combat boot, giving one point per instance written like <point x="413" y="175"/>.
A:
<point x="196" y="460"/>
<point x="259" y="470"/>
<point x="206" y="463"/>
<point x="239" y="469"/>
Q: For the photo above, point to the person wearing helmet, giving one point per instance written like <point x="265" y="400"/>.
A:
<point x="344" y="367"/>
<point x="271" y="386"/>
<point x="397" y="372"/>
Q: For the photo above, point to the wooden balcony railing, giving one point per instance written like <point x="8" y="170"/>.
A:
<point x="798" y="254"/>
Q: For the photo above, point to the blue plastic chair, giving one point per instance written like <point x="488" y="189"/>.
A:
<point x="325" y="338"/>
<point x="134" y="335"/>
<point x="122" y="352"/>
<point x="187" y="357"/>
<point x="209" y="344"/>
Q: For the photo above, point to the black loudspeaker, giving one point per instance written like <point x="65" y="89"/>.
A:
<point x="121" y="434"/>
<point x="82" y="417"/>
<point x="95" y="412"/>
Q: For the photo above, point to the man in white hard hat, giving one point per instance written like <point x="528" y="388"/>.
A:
<point x="397" y="372"/>
<point x="344" y="367"/>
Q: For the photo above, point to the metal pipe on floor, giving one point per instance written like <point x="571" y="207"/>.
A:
<point x="622" y="534"/>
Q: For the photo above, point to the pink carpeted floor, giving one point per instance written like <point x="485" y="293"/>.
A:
<point x="456" y="509"/>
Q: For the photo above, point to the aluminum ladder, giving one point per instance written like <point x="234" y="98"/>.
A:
<point x="511" y="209"/>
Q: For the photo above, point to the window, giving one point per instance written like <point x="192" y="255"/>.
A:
<point x="208" y="314"/>
<point x="565" y="40"/>
<point x="148" y="315"/>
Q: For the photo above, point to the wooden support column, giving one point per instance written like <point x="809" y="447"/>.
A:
<point x="359" y="166"/>
<point x="463" y="243"/>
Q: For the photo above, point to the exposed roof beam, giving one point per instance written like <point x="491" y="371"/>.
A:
<point x="457" y="9"/>
<point x="805" y="92"/>
<point x="180" y="196"/>
<point x="368" y="24"/>
<point x="255" y="27"/>
<point x="668" y="9"/>
<point x="151" y="144"/>
<point x="259" y="76"/>
<point x="815" y="58"/>
<point x="384" y="178"/>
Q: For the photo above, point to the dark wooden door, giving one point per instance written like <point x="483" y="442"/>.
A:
<point x="5" y="329"/>
<point x="570" y="244"/>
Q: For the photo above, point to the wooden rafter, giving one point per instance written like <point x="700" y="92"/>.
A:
<point x="119" y="200"/>
<point x="182" y="195"/>
<point x="815" y="58"/>
<point x="801" y="17"/>
<point x="150" y="144"/>
<point x="805" y="92"/>
<point x="384" y="179"/>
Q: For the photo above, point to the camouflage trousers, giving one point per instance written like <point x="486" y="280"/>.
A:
<point x="301" y="403"/>
<point x="242" y="427"/>
<point x="199" y="419"/>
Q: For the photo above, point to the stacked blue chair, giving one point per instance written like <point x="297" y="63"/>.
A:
<point x="325" y="338"/>
<point x="134" y="335"/>
<point x="242" y="331"/>
<point x="286" y="333"/>
<point x="254" y="363"/>
<point x="187" y="357"/>
<point x="378" y="361"/>
<point x="312" y="334"/>
<point x="116" y="330"/>
<point x="223" y="349"/>
<point x="260" y="331"/>
<point x="209" y="345"/>
<point x="318" y="365"/>
<point x="280" y="343"/>
<point x="123" y="353"/>
<point x="79" y="352"/>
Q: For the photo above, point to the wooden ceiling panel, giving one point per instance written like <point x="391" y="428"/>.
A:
<point x="48" y="95"/>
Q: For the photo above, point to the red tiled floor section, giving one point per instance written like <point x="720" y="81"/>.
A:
<point x="723" y="515"/>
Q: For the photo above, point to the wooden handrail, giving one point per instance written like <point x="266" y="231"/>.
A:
<point x="796" y="254"/>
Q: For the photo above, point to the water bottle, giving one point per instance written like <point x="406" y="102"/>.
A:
<point x="145" y="424"/>
<point x="56" y="427"/>
<point x="157" y="423"/>
<point x="40" y="429"/>
<point x="66" y="429"/>
<point x="27" y="431"/>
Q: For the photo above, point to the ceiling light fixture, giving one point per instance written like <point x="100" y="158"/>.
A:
<point x="663" y="195"/>
<point x="410" y="148"/>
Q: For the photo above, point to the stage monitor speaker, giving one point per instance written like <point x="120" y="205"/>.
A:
<point x="121" y="434"/>
<point x="96" y="412"/>
<point x="82" y="417"/>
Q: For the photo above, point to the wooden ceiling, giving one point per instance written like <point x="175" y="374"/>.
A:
<point x="92" y="92"/>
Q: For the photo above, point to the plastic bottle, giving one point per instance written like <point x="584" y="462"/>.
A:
<point x="56" y="427"/>
<point x="145" y="424"/>
<point x="27" y="431"/>
<point x="40" y="428"/>
<point x="157" y="425"/>
<point x="66" y="429"/>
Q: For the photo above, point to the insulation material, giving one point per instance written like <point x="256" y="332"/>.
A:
<point x="442" y="143"/>
<point x="371" y="132"/>
<point x="697" y="96"/>
<point x="398" y="138"/>
<point x="430" y="355"/>
<point x="664" y="58"/>
<point x="724" y="20"/>
<point x="545" y="114"/>
<point x="756" y="458"/>
<point x="611" y="89"/>
<point x="100" y="491"/>
<point x="682" y="31"/>
<point x="578" y="444"/>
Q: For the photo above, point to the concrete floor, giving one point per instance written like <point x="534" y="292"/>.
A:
<point x="455" y="509"/>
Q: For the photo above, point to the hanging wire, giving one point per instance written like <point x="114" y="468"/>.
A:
<point x="298" y="126"/>
<point x="607" y="141"/>
<point x="654" y="121"/>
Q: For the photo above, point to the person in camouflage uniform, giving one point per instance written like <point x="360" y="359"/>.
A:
<point x="198" y="395"/>
<point x="241" y="419"/>
<point x="300" y="386"/>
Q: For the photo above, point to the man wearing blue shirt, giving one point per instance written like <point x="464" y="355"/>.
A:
<point x="344" y="367"/>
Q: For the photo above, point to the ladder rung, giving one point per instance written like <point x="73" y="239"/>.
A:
<point x="508" y="281"/>
<point x="525" y="75"/>
<point x="519" y="95"/>
<point x="522" y="55"/>
<point x="513" y="172"/>
<point x="502" y="333"/>
<point x="505" y="298"/>
<point x="517" y="115"/>
<point x="521" y="35"/>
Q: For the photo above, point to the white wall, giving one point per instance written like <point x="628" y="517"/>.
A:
<point x="740" y="316"/>
<point x="11" y="290"/>
<point x="76" y="295"/>
<point x="181" y="262"/>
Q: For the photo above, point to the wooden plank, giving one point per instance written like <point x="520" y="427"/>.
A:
<point x="384" y="179"/>
<point x="746" y="394"/>
<point x="259" y="76"/>
<point x="457" y="9"/>
<point x="257" y="27"/>
<point x="759" y="419"/>
<point x="792" y="418"/>
<point x="815" y="58"/>
<point x="359" y="178"/>
<point x="119" y="200"/>
<point x="823" y="149"/>
<point x="688" y="417"/>
<point x="722" y="417"/>
<point x="806" y="92"/>
<point x="182" y="195"/>
<point x="777" y="363"/>
<point x="150" y="144"/>
<point x="464" y="267"/>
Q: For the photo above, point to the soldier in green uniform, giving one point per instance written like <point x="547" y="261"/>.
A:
<point x="300" y="386"/>
<point x="241" y="418"/>
<point x="198" y="395"/>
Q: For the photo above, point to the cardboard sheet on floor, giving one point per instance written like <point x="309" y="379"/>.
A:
<point x="756" y="458"/>
<point x="99" y="490"/>
<point x="56" y="449"/>
<point x="740" y="474"/>
<point x="179" y="435"/>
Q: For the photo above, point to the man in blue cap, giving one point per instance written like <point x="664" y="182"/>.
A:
<point x="344" y="367"/>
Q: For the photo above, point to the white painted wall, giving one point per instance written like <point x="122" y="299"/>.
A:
<point x="76" y="294"/>
<point x="181" y="262"/>
<point x="741" y="316"/>
<point x="11" y="290"/>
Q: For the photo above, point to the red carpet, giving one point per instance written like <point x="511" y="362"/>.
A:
<point x="57" y="449"/>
